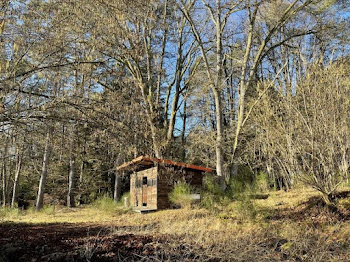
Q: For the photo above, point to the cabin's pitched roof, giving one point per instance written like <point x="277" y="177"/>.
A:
<point x="151" y="161"/>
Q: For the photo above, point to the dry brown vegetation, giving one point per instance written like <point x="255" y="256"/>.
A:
<point x="288" y="226"/>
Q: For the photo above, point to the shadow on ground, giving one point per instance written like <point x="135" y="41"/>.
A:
<point x="70" y="242"/>
<point x="316" y="210"/>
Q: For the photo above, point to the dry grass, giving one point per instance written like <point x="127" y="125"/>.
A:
<point x="279" y="231"/>
<point x="60" y="214"/>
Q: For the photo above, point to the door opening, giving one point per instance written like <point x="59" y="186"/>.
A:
<point x="144" y="191"/>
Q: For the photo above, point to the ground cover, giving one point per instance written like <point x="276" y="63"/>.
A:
<point x="287" y="226"/>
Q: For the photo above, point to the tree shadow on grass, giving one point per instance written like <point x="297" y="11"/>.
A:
<point x="316" y="210"/>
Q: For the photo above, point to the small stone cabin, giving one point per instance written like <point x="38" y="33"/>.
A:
<point x="152" y="179"/>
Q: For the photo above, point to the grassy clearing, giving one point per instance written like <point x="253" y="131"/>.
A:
<point x="282" y="229"/>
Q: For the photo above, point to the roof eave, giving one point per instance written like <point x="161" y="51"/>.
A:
<point x="162" y="161"/>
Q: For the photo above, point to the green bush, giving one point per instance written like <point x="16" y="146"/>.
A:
<point x="181" y="195"/>
<point x="246" y="204"/>
<point x="49" y="209"/>
<point x="105" y="203"/>
<point x="262" y="182"/>
<point x="9" y="212"/>
<point x="121" y="202"/>
<point x="247" y="182"/>
<point x="239" y="183"/>
<point x="212" y="195"/>
<point x="243" y="188"/>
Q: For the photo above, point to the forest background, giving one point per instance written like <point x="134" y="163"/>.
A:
<point x="258" y="89"/>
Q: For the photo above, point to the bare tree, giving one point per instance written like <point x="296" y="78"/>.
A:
<point x="4" y="172"/>
<point x="72" y="172"/>
<point x="316" y="150"/>
<point x="219" y="14"/>
<point x="19" y="156"/>
<point x="46" y="158"/>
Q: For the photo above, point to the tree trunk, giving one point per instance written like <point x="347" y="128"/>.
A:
<point x="328" y="199"/>
<point x="117" y="187"/>
<point x="4" y="175"/>
<point x="40" y="197"/>
<point x="72" y="172"/>
<point x="4" y="189"/>
<point x="17" y="175"/>
<point x="218" y="100"/>
<point x="219" y="135"/>
<point x="71" y="183"/>
<point x="81" y="182"/>
<point x="156" y="147"/>
<point x="183" y="135"/>
<point x="178" y="76"/>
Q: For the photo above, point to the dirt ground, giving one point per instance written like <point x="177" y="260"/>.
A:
<point x="70" y="242"/>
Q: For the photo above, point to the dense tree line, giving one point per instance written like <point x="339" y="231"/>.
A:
<point x="87" y="85"/>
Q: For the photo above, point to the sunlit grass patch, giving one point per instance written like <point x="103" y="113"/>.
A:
<point x="60" y="214"/>
<point x="6" y="212"/>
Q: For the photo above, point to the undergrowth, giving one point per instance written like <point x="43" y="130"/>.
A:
<point x="105" y="203"/>
<point x="181" y="195"/>
<point x="108" y="205"/>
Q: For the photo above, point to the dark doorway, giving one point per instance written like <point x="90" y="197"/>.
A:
<point x="144" y="191"/>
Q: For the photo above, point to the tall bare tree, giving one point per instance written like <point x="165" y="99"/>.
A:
<point x="316" y="150"/>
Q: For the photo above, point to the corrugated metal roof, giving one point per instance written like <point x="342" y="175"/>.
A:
<point x="149" y="161"/>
